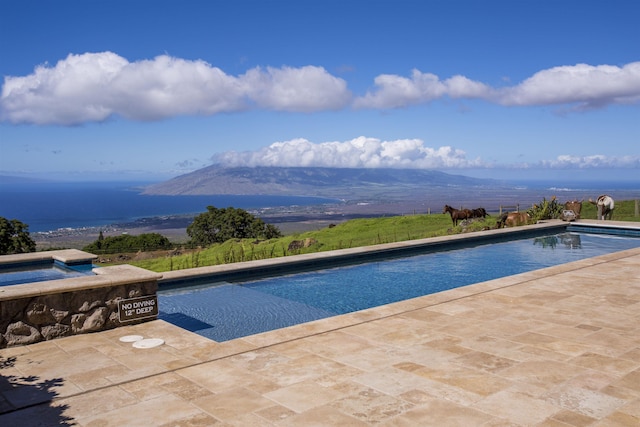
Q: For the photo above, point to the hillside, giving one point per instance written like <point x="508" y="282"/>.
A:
<point x="323" y="182"/>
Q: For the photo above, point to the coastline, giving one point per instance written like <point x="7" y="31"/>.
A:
<point x="290" y="220"/>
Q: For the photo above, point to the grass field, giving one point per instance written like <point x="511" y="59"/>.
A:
<point x="353" y="233"/>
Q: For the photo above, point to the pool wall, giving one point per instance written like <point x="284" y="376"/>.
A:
<point x="618" y="229"/>
<point x="39" y="311"/>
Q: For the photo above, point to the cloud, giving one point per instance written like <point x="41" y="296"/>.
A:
<point x="361" y="152"/>
<point x="594" y="161"/>
<point x="582" y="85"/>
<point x="394" y="91"/>
<point x="365" y="152"/>
<point x="304" y="89"/>
<point x="94" y="87"/>
<point x="188" y="164"/>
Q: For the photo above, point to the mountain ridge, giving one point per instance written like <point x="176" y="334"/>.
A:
<point x="316" y="181"/>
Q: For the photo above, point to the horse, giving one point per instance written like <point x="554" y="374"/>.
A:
<point x="605" y="206"/>
<point x="513" y="219"/>
<point x="456" y="214"/>
<point x="479" y="213"/>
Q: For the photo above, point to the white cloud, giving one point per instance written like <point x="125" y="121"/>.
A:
<point x="94" y="87"/>
<point x="583" y="85"/>
<point x="593" y="161"/>
<point x="365" y="152"/>
<point x="166" y="86"/>
<point x="395" y="91"/>
<point x="303" y="89"/>
<point x="361" y="152"/>
<point x="97" y="86"/>
<point x="462" y="87"/>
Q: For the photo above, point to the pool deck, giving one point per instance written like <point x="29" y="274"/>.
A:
<point x="553" y="347"/>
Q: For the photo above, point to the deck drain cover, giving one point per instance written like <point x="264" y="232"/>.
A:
<point x="131" y="338"/>
<point x="148" y="343"/>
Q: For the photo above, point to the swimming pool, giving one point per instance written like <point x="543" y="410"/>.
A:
<point x="41" y="272"/>
<point x="226" y="311"/>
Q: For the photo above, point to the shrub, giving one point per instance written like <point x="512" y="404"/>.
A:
<point x="546" y="209"/>
<point x="128" y="243"/>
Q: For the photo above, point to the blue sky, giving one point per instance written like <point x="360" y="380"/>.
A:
<point x="151" y="89"/>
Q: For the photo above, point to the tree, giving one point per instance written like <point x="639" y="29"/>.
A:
<point x="219" y="225"/>
<point x="14" y="237"/>
<point x="98" y="242"/>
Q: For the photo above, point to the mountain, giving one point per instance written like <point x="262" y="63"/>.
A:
<point x="314" y="181"/>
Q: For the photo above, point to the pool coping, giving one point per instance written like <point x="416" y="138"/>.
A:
<point x="66" y="256"/>
<point x="115" y="275"/>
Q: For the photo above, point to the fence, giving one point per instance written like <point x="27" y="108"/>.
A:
<point x="511" y="208"/>
<point x="516" y="207"/>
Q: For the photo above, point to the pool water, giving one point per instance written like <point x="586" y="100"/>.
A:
<point x="17" y="275"/>
<point x="226" y="311"/>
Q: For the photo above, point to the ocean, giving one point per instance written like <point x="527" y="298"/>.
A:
<point x="50" y="206"/>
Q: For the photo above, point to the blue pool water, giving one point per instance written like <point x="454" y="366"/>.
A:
<point x="41" y="272"/>
<point x="226" y="311"/>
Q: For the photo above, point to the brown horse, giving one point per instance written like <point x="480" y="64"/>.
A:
<point x="479" y="213"/>
<point x="513" y="219"/>
<point x="456" y="214"/>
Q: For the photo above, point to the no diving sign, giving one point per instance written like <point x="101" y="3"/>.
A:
<point x="138" y="308"/>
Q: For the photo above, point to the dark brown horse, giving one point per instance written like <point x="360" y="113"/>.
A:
<point x="479" y="213"/>
<point x="457" y="215"/>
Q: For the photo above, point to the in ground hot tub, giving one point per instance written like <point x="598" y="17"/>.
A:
<point x="84" y="299"/>
<point x="44" y="266"/>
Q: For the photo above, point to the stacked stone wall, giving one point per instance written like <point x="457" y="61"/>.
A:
<point x="32" y="319"/>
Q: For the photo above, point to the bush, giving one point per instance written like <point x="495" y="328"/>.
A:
<point x="128" y="243"/>
<point x="546" y="209"/>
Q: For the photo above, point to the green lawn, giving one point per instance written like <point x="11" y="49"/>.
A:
<point x="353" y="233"/>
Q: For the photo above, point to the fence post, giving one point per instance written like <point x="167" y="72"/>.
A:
<point x="637" y="212"/>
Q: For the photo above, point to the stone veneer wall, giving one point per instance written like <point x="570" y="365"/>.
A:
<point x="32" y="319"/>
<point x="40" y="311"/>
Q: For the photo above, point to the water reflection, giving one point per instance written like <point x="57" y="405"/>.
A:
<point x="569" y="240"/>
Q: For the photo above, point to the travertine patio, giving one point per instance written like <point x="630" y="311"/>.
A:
<point x="554" y="347"/>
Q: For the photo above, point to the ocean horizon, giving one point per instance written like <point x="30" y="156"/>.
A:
<point x="50" y="206"/>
